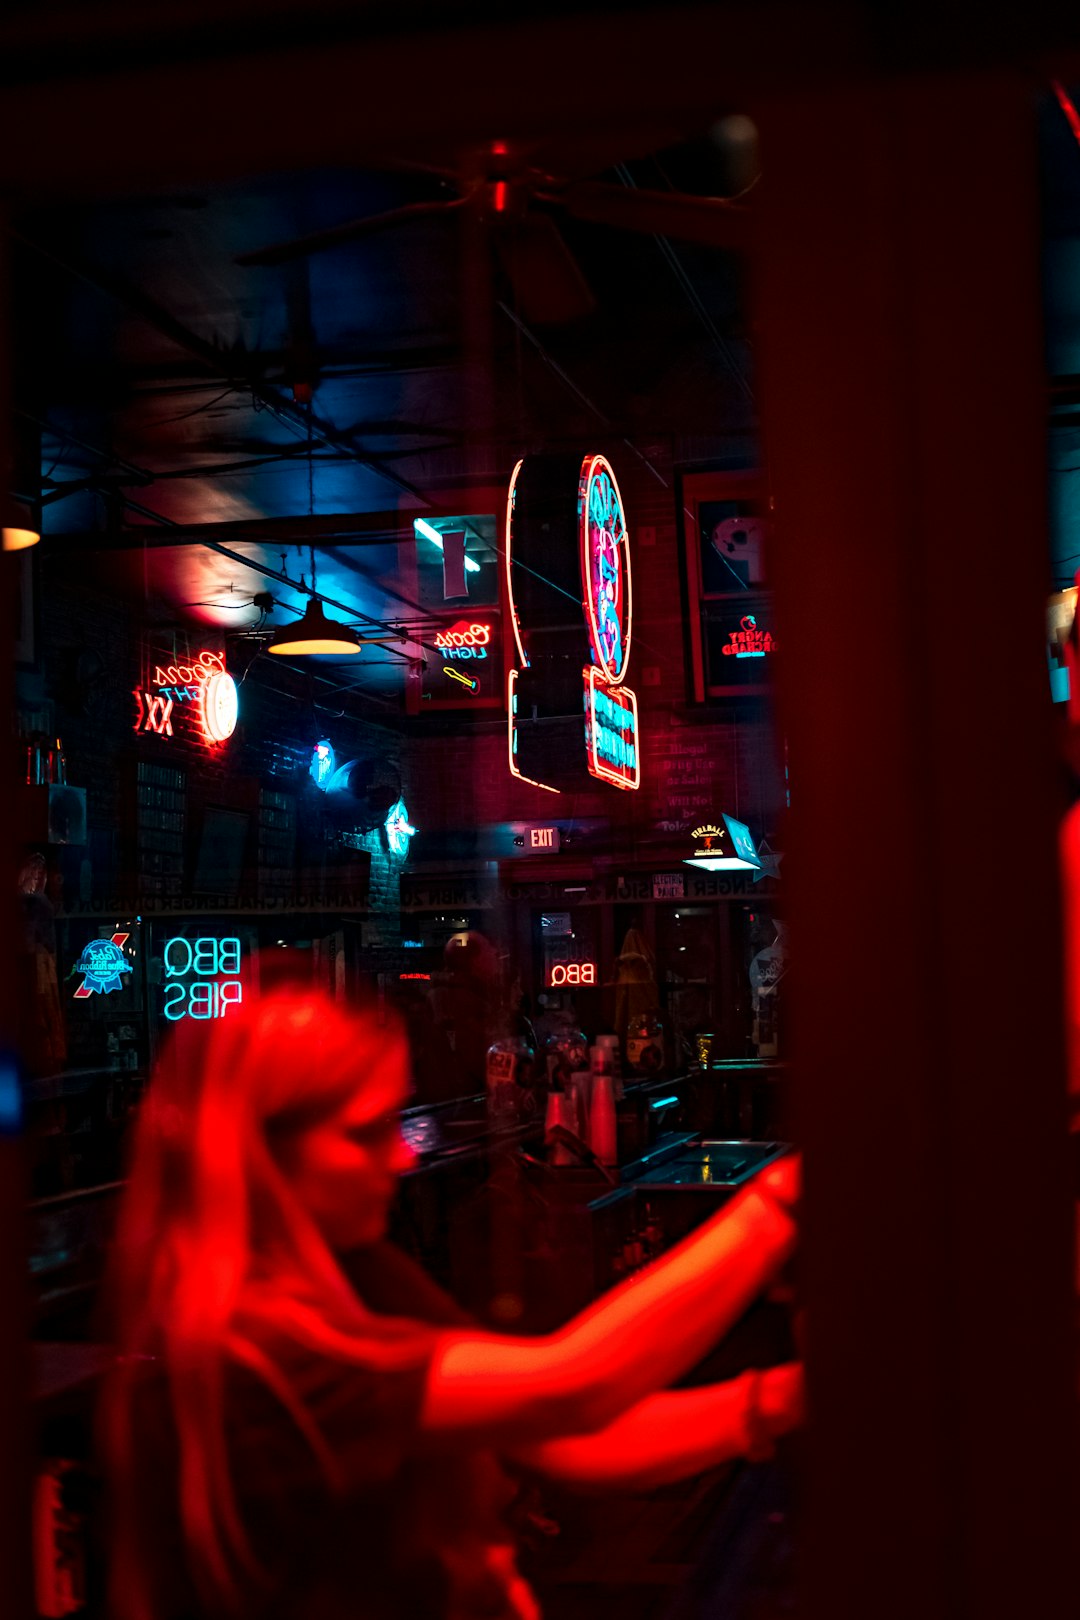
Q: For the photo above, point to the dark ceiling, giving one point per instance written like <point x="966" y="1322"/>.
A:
<point x="161" y="385"/>
<point x="334" y="397"/>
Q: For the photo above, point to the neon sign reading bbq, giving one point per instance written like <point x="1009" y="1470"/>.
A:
<point x="560" y="973"/>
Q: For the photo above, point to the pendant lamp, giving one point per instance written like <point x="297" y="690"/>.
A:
<point x="20" y="529"/>
<point x="315" y="633"/>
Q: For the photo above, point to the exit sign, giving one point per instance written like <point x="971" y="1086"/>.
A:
<point x="542" y="840"/>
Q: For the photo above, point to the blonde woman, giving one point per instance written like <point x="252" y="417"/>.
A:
<point x="285" y="1442"/>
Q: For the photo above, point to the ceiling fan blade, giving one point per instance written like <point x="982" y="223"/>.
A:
<point x="351" y="231"/>
<point x="547" y="279"/>
<point x="712" y="221"/>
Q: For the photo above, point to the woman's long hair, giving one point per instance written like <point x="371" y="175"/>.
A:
<point x="216" y="1258"/>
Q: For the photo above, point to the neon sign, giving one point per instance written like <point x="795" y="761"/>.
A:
<point x="220" y="705"/>
<point x="155" y="713"/>
<point x="398" y="831"/>
<point x="101" y="963"/>
<point x="467" y="681"/>
<point x="201" y="977"/>
<point x="571" y="973"/>
<point x="709" y="836"/>
<point x="512" y="737"/>
<point x="547" y="838"/>
<point x="711" y="851"/>
<point x="511" y="499"/>
<point x="204" y="684"/>
<point x="605" y="567"/>
<point x="748" y="641"/>
<point x="569" y="549"/>
<point x="611" y="732"/>
<point x="323" y="762"/>
<point x="464" y="640"/>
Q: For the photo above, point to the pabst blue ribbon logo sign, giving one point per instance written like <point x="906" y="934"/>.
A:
<point x="102" y="962"/>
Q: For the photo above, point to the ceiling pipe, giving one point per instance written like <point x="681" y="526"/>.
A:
<point x="272" y="573"/>
<point x="114" y="286"/>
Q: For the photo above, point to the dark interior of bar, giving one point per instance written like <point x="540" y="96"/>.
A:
<point x="540" y="580"/>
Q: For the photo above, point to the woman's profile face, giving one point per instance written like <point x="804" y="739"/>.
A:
<point x="345" y="1168"/>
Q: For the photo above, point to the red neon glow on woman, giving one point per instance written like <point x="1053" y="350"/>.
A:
<point x="283" y="1441"/>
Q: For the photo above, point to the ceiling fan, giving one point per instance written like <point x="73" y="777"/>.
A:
<point x="512" y="196"/>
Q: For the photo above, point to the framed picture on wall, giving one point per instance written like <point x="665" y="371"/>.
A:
<point x="725" y="534"/>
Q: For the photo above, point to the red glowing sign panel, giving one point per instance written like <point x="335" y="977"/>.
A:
<point x="465" y="639"/>
<point x="611" y="732"/>
<point x="154" y="713"/>
<point x="586" y="547"/>
<point x="572" y="974"/>
<point x="508" y="528"/>
<point x="543" y="838"/>
<point x="512" y="736"/>
<point x="749" y="641"/>
<point x="605" y="567"/>
<point x="204" y="686"/>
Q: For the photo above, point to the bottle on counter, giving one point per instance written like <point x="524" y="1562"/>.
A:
<point x="605" y="1057"/>
<point x="579" y="1088"/>
<point x="56" y="762"/>
<point x="603" y="1134"/>
<point x="508" y="1073"/>
<point x="560" y="1110"/>
<point x="633" y="1251"/>
<point x="645" y="1046"/>
<point x="36" y="752"/>
<point x="652" y="1234"/>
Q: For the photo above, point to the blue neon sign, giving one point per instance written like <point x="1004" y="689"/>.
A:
<point x="201" y="977"/>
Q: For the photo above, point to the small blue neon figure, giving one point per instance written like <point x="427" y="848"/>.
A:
<point x="398" y="830"/>
<point x="322" y="764"/>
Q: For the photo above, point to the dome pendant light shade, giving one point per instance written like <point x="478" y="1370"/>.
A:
<point x="19" y="527"/>
<point x="315" y="633"/>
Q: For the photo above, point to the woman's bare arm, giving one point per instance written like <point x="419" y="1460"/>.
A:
<point x="634" y="1340"/>
<point x="674" y="1434"/>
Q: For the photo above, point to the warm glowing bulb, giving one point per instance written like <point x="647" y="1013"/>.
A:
<point x="220" y="707"/>
<point x="19" y="539"/>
